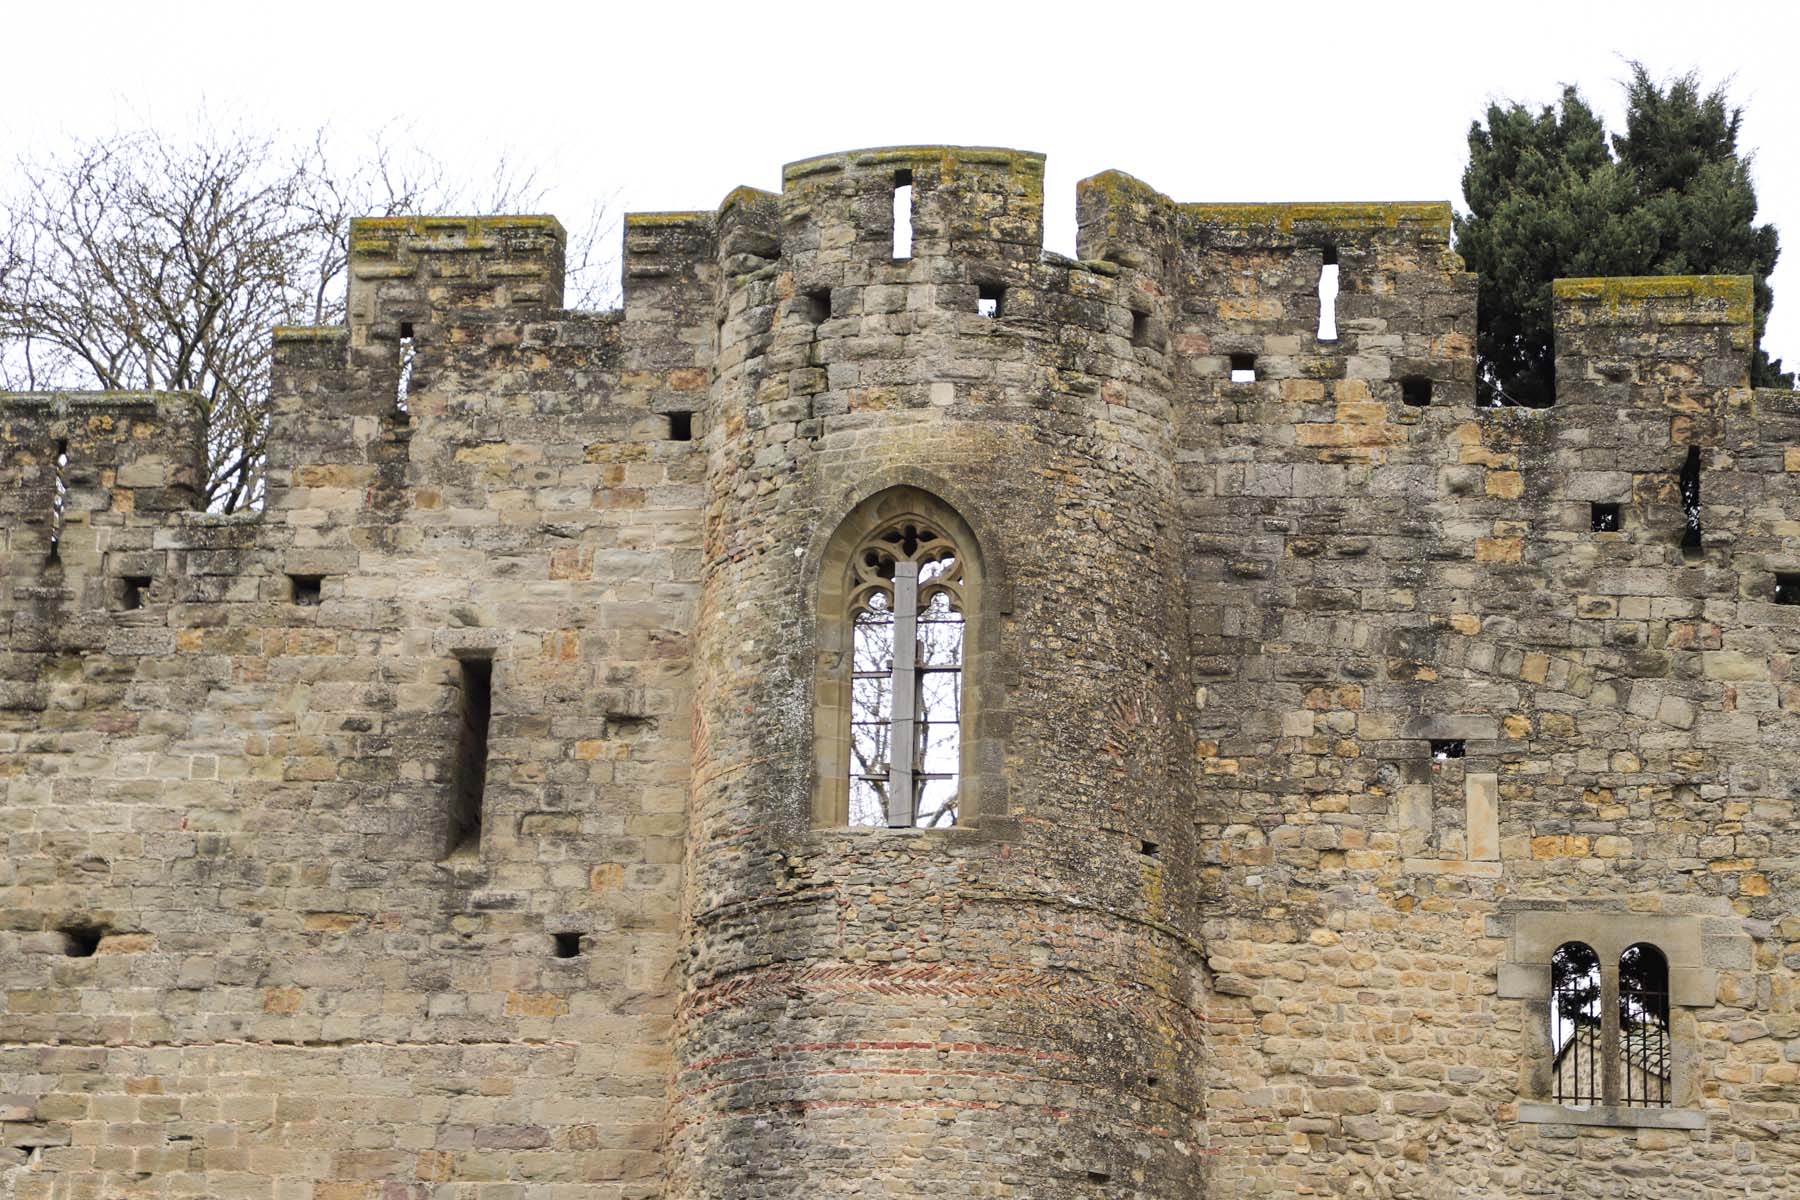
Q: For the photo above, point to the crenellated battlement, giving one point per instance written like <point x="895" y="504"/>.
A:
<point x="492" y="808"/>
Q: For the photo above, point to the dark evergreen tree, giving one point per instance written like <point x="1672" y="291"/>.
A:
<point x="1548" y="199"/>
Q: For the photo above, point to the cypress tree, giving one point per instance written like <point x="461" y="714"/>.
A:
<point x="1551" y="196"/>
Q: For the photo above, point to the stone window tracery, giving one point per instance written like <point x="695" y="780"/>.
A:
<point x="908" y="632"/>
<point x="904" y="686"/>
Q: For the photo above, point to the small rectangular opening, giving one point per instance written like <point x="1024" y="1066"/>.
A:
<point x="306" y="590"/>
<point x="1099" y="1176"/>
<point x="1140" y="328"/>
<point x="1603" y="518"/>
<point x="1446" y="748"/>
<point x="81" y="941"/>
<point x="681" y="427"/>
<point x="469" y="785"/>
<point x="818" y="305"/>
<point x="1148" y="849"/>
<point x="1415" y="391"/>
<point x="903" y="214"/>
<point x="131" y="591"/>
<point x="988" y="298"/>
<point x="565" y="945"/>
<point x="1243" y="368"/>
<point x="1787" y="587"/>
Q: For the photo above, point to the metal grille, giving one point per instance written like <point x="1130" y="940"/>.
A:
<point x="1575" y="1023"/>
<point x="1644" y="1046"/>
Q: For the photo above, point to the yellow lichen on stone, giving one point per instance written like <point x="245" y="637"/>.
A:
<point x="1432" y="215"/>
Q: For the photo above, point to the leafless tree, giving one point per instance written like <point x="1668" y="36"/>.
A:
<point x="140" y="260"/>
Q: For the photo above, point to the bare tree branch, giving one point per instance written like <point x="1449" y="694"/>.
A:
<point x="145" y="260"/>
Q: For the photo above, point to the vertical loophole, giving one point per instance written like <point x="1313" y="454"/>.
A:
<point x="59" y="498"/>
<point x="1328" y="294"/>
<point x="403" y="389"/>
<point x="903" y="213"/>
<point x="1690" y="505"/>
<point x="476" y="676"/>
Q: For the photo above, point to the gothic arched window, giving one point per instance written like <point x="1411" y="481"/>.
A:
<point x="906" y="616"/>
<point x="897" y="613"/>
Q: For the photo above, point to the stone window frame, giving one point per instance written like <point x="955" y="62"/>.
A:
<point x="1694" y="950"/>
<point x="982" y="699"/>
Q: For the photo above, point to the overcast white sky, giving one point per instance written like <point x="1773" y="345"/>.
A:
<point x="671" y="105"/>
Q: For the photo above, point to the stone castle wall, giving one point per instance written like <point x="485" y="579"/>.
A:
<point x="1217" y="923"/>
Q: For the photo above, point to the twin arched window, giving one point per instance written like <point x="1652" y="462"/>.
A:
<point x="896" y="620"/>
<point x="1610" y="1029"/>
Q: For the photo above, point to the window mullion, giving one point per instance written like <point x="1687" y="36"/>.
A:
<point x="1610" y="1062"/>
<point x="901" y="792"/>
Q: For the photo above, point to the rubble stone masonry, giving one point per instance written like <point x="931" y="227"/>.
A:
<point x="1215" y="922"/>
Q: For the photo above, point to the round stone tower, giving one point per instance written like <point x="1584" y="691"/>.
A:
<point x="1007" y="1006"/>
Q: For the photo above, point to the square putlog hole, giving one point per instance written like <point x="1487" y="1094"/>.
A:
<point x="1243" y="368"/>
<point x="131" y="591"/>
<point x="1787" y="587"/>
<point x="1415" y="391"/>
<point x="1604" y="518"/>
<point x="989" y="298"/>
<point x="566" y="945"/>
<point x="306" y="590"/>
<point x="681" y="427"/>
<point x="1443" y="749"/>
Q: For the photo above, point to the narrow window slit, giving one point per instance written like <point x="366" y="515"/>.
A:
<point x="1415" y="391"/>
<point x="1690" y="504"/>
<point x="59" y="499"/>
<point x="1243" y="368"/>
<point x="566" y="945"/>
<point x="903" y="214"/>
<point x="989" y="297"/>
<point x="1604" y="518"/>
<point x="1328" y="294"/>
<point x="132" y="591"/>
<point x="476" y="676"/>
<point x="306" y="590"/>
<point x="1446" y="748"/>
<point x="1787" y="587"/>
<point x="681" y="426"/>
<point x="403" y="388"/>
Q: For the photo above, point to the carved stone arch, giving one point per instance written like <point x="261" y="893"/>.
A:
<point x="898" y="498"/>
<point x="945" y="492"/>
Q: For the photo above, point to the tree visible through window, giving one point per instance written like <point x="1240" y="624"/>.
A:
<point x="906" y="610"/>
<point x="1610" y="1031"/>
